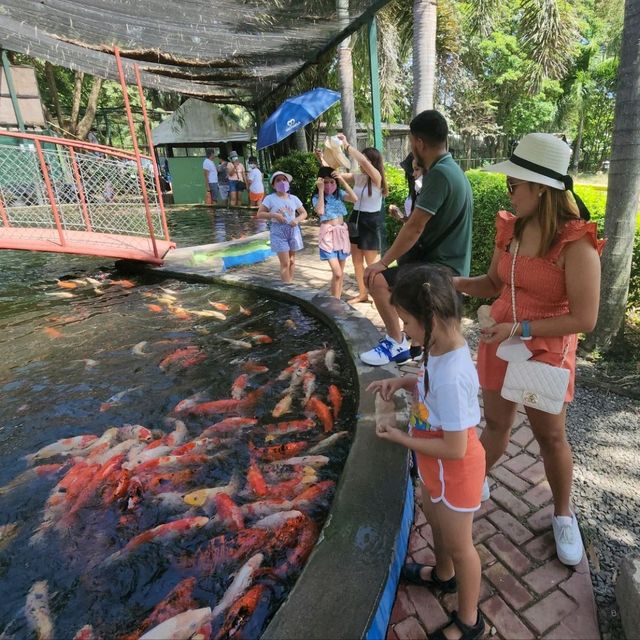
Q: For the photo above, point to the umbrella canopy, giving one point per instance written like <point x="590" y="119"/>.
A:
<point x="295" y="113"/>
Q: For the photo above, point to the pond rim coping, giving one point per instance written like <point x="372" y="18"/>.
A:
<point x="348" y="585"/>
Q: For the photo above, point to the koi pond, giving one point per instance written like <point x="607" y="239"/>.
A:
<point x="168" y="450"/>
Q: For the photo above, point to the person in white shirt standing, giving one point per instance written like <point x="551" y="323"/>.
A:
<point x="255" y="184"/>
<point x="211" y="175"/>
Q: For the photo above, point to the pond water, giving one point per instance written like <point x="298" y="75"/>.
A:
<point x="200" y="470"/>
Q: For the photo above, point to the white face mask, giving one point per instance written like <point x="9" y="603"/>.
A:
<point x="418" y="183"/>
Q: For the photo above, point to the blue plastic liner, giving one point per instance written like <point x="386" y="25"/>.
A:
<point x="380" y="622"/>
<point x="246" y="258"/>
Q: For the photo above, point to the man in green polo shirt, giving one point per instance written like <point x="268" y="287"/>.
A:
<point x="438" y="231"/>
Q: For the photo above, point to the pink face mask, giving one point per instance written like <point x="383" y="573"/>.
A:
<point x="282" y="186"/>
<point x="330" y="188"/>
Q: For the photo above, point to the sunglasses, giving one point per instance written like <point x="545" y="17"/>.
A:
<point x="511" y="186"/>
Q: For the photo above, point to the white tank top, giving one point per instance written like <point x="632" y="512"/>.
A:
<point x="366" y="203"/>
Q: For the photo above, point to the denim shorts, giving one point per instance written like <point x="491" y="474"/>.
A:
<point x="214" y="191"/>
<point x="235" y="186"/>
<point x="329" y="255"/>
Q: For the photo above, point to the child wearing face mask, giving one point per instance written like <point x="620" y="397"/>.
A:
<point x="280" y="207"/>
<point x="333" y="241"/>
<point x="254" y="183"/>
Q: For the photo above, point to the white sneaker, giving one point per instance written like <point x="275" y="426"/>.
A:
<point x="388" y="350"/>
<point x="568" y="541"/>
<point x="486" y="493"/>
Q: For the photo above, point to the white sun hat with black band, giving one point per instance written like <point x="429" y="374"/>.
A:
<point x="544" y="159"/>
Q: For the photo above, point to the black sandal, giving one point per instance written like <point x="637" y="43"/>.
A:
<point x="411" y="572"/>
<point x="468" y="633"/>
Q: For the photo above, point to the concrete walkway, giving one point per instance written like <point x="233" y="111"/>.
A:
<point x="526" y="592"/>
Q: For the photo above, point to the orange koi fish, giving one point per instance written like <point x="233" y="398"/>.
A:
<point x="191" y="401"/>
<point x="125" y="284"/>
<point x="242" y="580"/>
<point x="85" y="633"/>
<point x="253" y="367"/>
<point x="156" y="308"/>
<point x="239" y="385"/>
<point x="313" y="494"/>
<point x="256" y="480"/>
<point x="260" y="338"/>
<point x="66" y="284"/>
<point x="290" y="426"/>
<point x="297" y="556"/>
<point x="229" y="512"/>
<point x="284" y="406"/>
<point x="245" y="312"/>
<point x="228" y="425"/>
<point x="320" y="409"/>
<point x="179" y="354"/>
<point x="163" y="532"/>
<point x="282" y="451"/>
<point x="52" y="332"/>
<point x="247" y="615"/>
<point x="335" y="398"/>
<point x="220" y="306"/>
<point x="216" y="406"/>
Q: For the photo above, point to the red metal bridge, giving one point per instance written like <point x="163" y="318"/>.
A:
<point x="68" y="196"/>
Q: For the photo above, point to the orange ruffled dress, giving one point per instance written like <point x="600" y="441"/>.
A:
<point x="540" y="293"/>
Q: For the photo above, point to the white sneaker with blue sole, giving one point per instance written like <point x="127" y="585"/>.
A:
<point x="388" y="350"/>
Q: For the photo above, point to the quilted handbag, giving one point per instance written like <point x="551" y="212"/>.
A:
<point x="534" y="384"/>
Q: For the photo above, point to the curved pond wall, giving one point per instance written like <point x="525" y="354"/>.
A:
<point x="348" y="585"/>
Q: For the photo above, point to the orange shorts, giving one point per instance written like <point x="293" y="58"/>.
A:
<point x="457" y="483"/>
<point x="255" y="197"/>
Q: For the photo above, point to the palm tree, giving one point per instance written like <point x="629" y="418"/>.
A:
<point x="345" y="66"/>
<point x="624" y="186"/>
<point x="425" y="14"/>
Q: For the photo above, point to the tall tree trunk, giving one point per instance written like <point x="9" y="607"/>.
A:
<point x="345" y="70"/>
<point x="75" y="105"/>
<point x="53" y="89"/>
<point x="84" y="126"/>
<point x="425" y="18"/>
<point x="576" y="154"/>
<point x="624" y="186"/>
<point x="301" y="139"/>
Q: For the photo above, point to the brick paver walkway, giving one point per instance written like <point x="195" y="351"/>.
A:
<point x="526" y="592"/>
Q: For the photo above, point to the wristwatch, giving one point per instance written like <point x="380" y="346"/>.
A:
<point x="526" y="330"/>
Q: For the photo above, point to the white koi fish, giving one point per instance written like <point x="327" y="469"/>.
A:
<point x="328" y="442"/>
<point x="64" y="447"/>
<point x="37" y="612"/>
<point x="138" y="349"/>
<point x="239" y="585"/>
<point x="180" y="627"/>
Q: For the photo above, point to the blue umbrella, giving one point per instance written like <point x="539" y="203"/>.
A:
<point x="295" y="113"/>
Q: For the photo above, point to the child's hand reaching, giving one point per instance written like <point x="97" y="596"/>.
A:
<point x="387" y="432"/>
<point x="386" y="388"/>
<point x="320" y="185"/>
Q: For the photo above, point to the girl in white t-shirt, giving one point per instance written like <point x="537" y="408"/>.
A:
<point x="450" y="458"/>
<point x="280" y="207"/>
<point x="370" y="186"/>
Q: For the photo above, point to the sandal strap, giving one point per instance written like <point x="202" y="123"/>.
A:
<point x="465" y="628"/>
<point x="437" y="580"/>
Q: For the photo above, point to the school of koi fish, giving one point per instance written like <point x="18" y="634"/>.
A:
<point x="197" y="526"/>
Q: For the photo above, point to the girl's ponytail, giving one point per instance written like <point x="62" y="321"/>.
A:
<point x="427" y="306"/>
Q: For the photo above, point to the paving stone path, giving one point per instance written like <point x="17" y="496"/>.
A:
<point x="526" y="592"/>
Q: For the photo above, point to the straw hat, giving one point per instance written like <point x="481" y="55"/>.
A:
<point x="280" y="173"/>
<point x="334" y="155"/>
<point x="539" y="157"/>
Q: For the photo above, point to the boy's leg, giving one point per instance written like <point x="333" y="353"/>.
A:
<point x="456" y="530"/>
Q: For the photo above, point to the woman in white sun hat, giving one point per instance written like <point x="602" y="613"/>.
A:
<point x="554" y="253"/>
